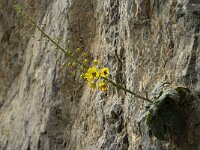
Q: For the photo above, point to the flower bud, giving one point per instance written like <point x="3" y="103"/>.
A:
<point x="74" y="64"/>
<point x="78" y="50"/>
<point x="64" y="64"/>
<point x="85" y="54"/>
<point x="95" y="62"/>
<point x="85" y="61"/>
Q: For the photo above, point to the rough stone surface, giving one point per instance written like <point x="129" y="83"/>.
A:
<point x="142" y="41"/>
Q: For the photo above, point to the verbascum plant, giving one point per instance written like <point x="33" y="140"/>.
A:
<point x="159" y="104"/>
<point x="97" y="78"/>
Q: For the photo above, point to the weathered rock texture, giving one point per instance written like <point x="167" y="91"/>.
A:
<point x="142" y="41"/>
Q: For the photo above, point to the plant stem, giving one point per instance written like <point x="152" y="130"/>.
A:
<point x="48" y="37"/>
<point x="118" y="86"/>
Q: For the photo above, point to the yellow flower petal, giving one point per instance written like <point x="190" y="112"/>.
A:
<point x="89" y="77"/>
<point x="103" y="85"/>
<point x="93" y="72"/>
<point x="104" y="72"/>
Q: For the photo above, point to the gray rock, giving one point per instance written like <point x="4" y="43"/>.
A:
<point x="42" y="106"/>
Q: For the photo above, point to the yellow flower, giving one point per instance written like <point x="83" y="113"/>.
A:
<point x="92" y="85"/>
<point x="89" y="77"/>
<point x="103" y="85"/>
<point x="104" y="72"/>
<point x="93" y="72"/>
<point x="95" y="62"/>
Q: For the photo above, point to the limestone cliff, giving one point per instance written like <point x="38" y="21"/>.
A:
<point x="142" y="41"/>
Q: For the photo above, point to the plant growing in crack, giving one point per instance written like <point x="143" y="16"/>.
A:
<point x="162" y="113"/>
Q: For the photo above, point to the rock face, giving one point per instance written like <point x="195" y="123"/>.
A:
<point x="42" y="106"/>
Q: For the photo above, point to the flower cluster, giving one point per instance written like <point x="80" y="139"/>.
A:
<point x="96" y="77"/>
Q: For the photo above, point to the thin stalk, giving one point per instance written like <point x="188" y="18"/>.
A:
<point x="118" y="86"/>
<point x="50" y="39"/>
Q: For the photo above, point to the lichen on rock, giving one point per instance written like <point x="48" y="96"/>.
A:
<point x="165" y="117"/>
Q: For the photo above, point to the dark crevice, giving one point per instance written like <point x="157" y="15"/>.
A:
<point x="191" y="76"/>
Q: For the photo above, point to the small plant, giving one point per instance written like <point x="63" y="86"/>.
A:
<point x="162" y="111"/>
<point x="96" y="77"/>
